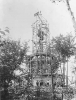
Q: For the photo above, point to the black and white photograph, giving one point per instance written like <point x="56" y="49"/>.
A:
<point x="37" y="49"/>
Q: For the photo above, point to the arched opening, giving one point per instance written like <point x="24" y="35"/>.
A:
<point x="41" y="83"/>
<point x="37" y="83"/>
<point x="47" y="83"/>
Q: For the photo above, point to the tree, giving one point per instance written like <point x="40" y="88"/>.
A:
<point x="64" y="47"/>
<point x="19" y="88"/>
<point x="11" y="57"/>
<point x="2" y="34"/>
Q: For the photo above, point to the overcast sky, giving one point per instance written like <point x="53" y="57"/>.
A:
<point x="18" y="15"/>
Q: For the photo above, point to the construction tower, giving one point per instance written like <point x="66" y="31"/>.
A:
<point x="40" y="37"/>
<point x="41" y="63"/>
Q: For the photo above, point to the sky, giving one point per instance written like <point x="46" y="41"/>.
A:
<point x="18" y="15"/>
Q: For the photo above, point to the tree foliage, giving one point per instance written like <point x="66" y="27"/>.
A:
<point x="11" y="57"/>
<point x="63" y="45"/>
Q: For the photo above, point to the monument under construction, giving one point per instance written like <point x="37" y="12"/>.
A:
<point x="41" y="62"/>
